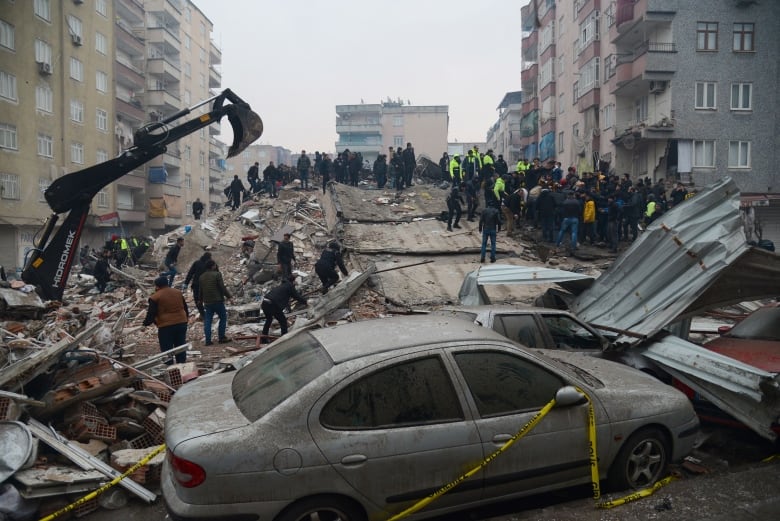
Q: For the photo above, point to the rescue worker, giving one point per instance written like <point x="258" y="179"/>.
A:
<point x="197" y="269"/>
<point x="101" y="271"/>
<point x="454" y="201"/>
<point x="171" y="258"/>
<point x="214" y="294"/>
<point x="168" y="310"/>
<point x="274" y="304"/>
<point x="121" y="252"/>
<point x="455" y="172"/>
<point x="326" y="266"/>
<point x="285" y="255"/>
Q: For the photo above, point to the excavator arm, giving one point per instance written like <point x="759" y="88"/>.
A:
<point x="48" y="265"/>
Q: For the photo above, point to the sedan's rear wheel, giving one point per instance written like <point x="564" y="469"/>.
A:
<point x="323" y="508"/>
<point x="641" y="461"/>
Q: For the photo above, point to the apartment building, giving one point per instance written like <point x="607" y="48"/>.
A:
<point x="262" y="154"/>
<point x="504" y="136"/>
<point x="372" y="128"/>
<point x="77" y="79"/>
<point x="659" y="89"/>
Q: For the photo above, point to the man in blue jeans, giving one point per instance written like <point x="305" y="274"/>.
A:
<point x="571" y="219"/>
<point x="489" y="224"/>
<point x="171" y="259"/>
<point x="213" y="294"/>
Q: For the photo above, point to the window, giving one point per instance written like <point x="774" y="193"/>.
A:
<point x="102" y="198"/>
<point x="202" y="184"/>
<point x="559" y="65"/>
<point x="42" y="52"/>
<point x="202" y="55"/>
<point x="188" y="208"/>
<point x="201" y="80"/>
<point x="589" y="30"/>
<point x="42" y="9"/>
<point x="8" y="136"/>
<point x="101" y="43"/>
<point x="76" y="111"/>
<point x="9" y="186"/>
<point x="704" y="154"/>
<point x="187" y="69"/>
<point x="45" y="145"/>
<point x="569" y="334"/>
<point x="524" y="386"/>
<point x="640" y="109"/>
<point x="548" y="109"/>
<point x="412" y="393"/>
<point x="187" y="97"/>
<point x="101" y="120"/>
<point x="101" y="7"/>
<point x="187" y="152"/>
<point x="77" y="153"/>
<point x="560" y="103"/>
<point x="7" y="86"/>
<point x="743" y="38"/>
<point x="398" y="141"/>
<point x="589" y="76"/>
<point x="707" y="36"/>
<point x="705" y="95"/>
<point x="203" y="29"/>
<point x="546" y="73"/>
<point x="101" y="81"/>
<point x="188" y="181"/>
<point x="188" y="14"/>
<point x="76" y="69"/>
<point x="398" y="121"/>
<point x="186" y="41"/>
<point x="7" y="35"/>
<point x="75" y="26"/>
<point x="44" y="98"/>
<point x="43" y="184"/>
<point x="560" y="142"/>
<point x="575" y="129"/>
<point x="201" y="159"/>
<point x="609" y="115"/>
<point x="575" y="92"/>
<point x="546" y="37"/>
<point x="739" y="154"/>
<point x="101" y="156"/>
<point x="741" y="96"/>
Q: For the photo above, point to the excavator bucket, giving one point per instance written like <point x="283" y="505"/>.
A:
<point x="247" y="127"/>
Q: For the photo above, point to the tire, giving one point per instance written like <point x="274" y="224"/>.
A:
<point x="641" y="461"/>
<point x="323" y="508"/>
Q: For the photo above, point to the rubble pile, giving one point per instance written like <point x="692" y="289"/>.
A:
<point x="85" y="387"/>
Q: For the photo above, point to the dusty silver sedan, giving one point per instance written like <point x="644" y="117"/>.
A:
<point x="361" y="421"/>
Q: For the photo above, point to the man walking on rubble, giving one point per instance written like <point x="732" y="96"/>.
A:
<point x="304" y="163"/>
<point x="454" y="209"/>
<point x="171" y="258"/>
<point x="324" y="167"/>
<point x="102" y="271"/>
<point x="274" y="304"/>
<point x="197" y="209"/>
<point x="489" y="224"/>
<point x="213" y="294"/>
<point x="253" y="176"/>
<point x="236" y="190"/>
<point x="193" y="275"/>
<point x="410" y="161"/>
<point x="270" y="176"/>
<point x="285" y="255"/>
<point x="326" y="266"/>
<point x="168" y="310"/>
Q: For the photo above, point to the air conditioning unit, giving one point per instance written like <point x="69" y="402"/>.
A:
<point x="44" y="67"/>
<point x="76" y="39"/>
<point x="657" y="86"/>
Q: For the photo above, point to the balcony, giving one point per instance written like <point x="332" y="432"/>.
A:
<point x="588" y="51"/>
<point x="347" y="127"/>
<point x="583" y="8"/>
<point x="170" y="7"/>
<point x="164" y="67"/>
<point x="215" y="129"/>
<point x="167" y="100"/>
<point x="165" y="38"/>
<point x="358" y="147"/>
<point x="172" y="159"/>
<point x="530" y="103"/>
<point x="215" y="149"/>
<point x="157" y="190"/>
<point x="130" y="10"/>
<point x="132" y="110"/>
<point x="529" y="74"/>
<point x="127" y="41"/>
<point x="651" y="61"/>
<point x="135" y="179"/>
<point x="634" y="18"/>
<point x="215" y="78"/>
<point x="215" y="53"/>
<point x="348" y="110"/>
<point x="129" y="77"/>
<point x="590" y="98"/>
<point x="548" y="90"/>
<point x="132" y="216"/>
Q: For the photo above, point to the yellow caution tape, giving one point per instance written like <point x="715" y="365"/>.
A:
<point x="770" y="458"/>
<point x="593" y="455"/>
<point x="105" y="487"/>
<point x="639" y="494"/>
<point x="452" y="484"/>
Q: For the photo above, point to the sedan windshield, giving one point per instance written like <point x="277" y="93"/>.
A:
<point x="273" y="376"/>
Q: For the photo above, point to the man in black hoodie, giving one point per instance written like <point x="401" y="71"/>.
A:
<point x="193" y="275"/>
<point x="274" y="303"/>
<point x="326" y="266"/>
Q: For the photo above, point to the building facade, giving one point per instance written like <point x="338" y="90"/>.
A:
<point x="504" y="136"/>
<point x="77" y="79"/>
<point x="372" y="128"/>
<point x="658" y="89"/>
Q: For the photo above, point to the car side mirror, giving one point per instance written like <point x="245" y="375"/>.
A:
<point x="568" y="396"/>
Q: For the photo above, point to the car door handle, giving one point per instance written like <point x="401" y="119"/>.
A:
<point x="502" y="438"/>
<point x="354" y="459"/>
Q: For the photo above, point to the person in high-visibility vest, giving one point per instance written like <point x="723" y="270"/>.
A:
<point x="455" y="171"/>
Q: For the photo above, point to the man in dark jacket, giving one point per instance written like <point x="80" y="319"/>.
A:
<point x="397" y="168"/>
<point x="274" y="303"/>
<point x="197" y="209"/>
<point x="168" y="310"/>
<point x="193" y="275"/>
<point x="545" y="208"/>
<point x="326" y="266"/>
<point x="323" y="168"/>
<point x="303" y="166"/>
<point x="285" y="255"/>
<point x="410" y="161"/>
<point x="236" y="190"/>
<point x="101" y="271"/>
<point x="454" y="201"/>
<point x="270" y="175"/>
<point x="380" y="171"/>
<point x="444" y="166"/>
<point x="253" y="176"/>
<point x="213" y="294"/>
<point x="171" y="258"/>
<point x="572" y="210"/>
<point x="472" y="198"/>
<point x="489" y="225"/>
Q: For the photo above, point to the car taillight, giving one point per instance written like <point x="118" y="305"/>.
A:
<point x="187" y="473"/>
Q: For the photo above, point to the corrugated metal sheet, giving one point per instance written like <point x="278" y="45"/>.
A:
<point x="673" y="262"/>
<point x="471" y="293"/>
<point x="747" y="393"/>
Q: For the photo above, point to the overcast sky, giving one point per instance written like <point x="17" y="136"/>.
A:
<point x="295" y="60"/>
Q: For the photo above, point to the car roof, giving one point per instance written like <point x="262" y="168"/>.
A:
<point x="348" y="341"/>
